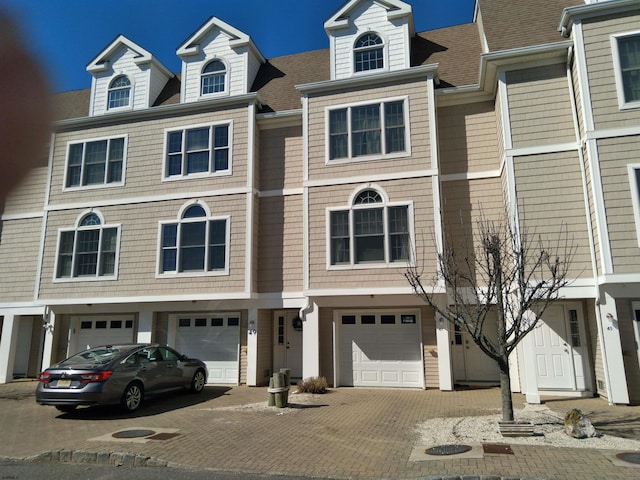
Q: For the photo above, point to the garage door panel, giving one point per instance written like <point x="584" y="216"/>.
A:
<point x="215" y="341"/>
<point x="379" y="354"/>
<point x="95" y="332"/>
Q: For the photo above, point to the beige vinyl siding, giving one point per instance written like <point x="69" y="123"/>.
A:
<point x="600" y="70"/>
<point x="600" y="386"/>
<point x="464" y="202"/>
<point x="629" y="348"/>
<point x="540" y="106"/>
<point x="28" y="196"/>
<point x="614" y="155"/>
<point x="499" y="125"/>
<point x="145" y="159"/>
<point x="138" y="255"/>
<point x="264" y="357"/>
<point x="579" y="98"/>
<point x="468" y="138"/>
<point x="281" y="158"/>
<point x="430" y="348"/>
<point x="418" y="191"/>
<point x="19" y="250"/>
<point x="550" y="199"/>
<point x="420" y="158"/>
<point x="280" y="260"/>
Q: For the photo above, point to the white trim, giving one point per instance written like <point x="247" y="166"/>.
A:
<point x="580" y="56"/>
<point x="227" y="76"/>
<point x="629" y="131"/>
<point x="453" y="177"/>
<point x="368" y="158"/>
<point x="599" y="207"/>
<point x="306" y="248"/>
<point x="623" y="278"/>
<point x="385" y="53"/>
<point x="228" y="296"/>
<point x="541" y="149"/>
<point x="369" y="178"/>
<point x="182" y="195"/>
<point x="633" y="169"/>
<point x="21" y="216"/>
<point x="285" y="192"/>
<point x="94" y="186"/>
<point x="210" y="173"/>
<point x="250" y="215"/>
<point x="617" y="69"/>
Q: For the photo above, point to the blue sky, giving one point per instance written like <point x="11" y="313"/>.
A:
<point x="67" y="34"/>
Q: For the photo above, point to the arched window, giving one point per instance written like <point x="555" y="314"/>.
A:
<point x="119" y="92"/>
<point x="370" y="231"/>
<point x="195" y="243"/>
<point x="368" y="53"/>
<point x="89" y="250"/>
<point x="213" y="78"/>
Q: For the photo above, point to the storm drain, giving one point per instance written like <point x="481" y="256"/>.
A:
<point x="442" y="450"/>
<point x="133" y="433"/>
<point x="497" y="448"/>
<point x="631" y="457"/>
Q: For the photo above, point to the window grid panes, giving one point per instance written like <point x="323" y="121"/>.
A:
<point x="98" y="162"/>
<point x="195" y="244"/>
<point x="368" y="53"/>
<point x="376" y="233"/>
<point x="119" y="93"/>
<point x="89" y="251"/>
<point x="629" y="51"/>
<point x="213" y="78"/>
<point x="367" y="130"/>
<point x="198" y="151"/>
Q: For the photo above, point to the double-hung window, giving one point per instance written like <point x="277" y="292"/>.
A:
<point x="196" y="243"/>
<point x="368" y="53"/>
<point x="198" y="150"/>
<point x="370" y="130"/>
<point x="89" y="250"/>
<point x="213" y="78"/>
<point x="626" y="54"/>
<point x="119" y="93"/>
<point x="371" y="231"/>
<point x="95" y="162"/>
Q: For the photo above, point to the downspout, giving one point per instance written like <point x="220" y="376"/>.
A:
<point x="592" y="248"/>
<point x="307" y="309"/>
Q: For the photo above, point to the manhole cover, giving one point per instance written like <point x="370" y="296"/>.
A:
<point x="133" y="433"/>
<point x="447" y="449"/>
<point x="631" y="457"/>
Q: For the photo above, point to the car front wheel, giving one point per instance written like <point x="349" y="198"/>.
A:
<point x="132" y="397"/>
<point x="197" y="384"/>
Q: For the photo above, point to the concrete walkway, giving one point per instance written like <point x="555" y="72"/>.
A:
<point x="347" y="433"/>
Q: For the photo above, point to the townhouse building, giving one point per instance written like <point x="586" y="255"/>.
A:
<point x="260" y="213"/>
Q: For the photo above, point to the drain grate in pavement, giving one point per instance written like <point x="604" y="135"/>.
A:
<point x="497" y="448"/>
<point x="631" y="457"/>
<point x="163" y="436"/>
<point x="133" y="433"/>
<point x="447" y="450"/>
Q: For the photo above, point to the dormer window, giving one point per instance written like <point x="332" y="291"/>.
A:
<point x="368" y="53"/>
<point x="119" y="92"/>
<point x="213" y="78"/>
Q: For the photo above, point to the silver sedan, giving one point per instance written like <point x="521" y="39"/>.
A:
<point x="118" y="374"/>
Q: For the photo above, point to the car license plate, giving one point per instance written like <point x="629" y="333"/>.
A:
<point x="63" y="383"/>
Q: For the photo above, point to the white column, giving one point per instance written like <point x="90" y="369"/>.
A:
<point x="10" y="327"/>
<point x="47" y="350"/>
<point x="445" y="372"/>
<point x="145" y="326"/>
<point x="252" y="348"/>
<point x="311" y="343"/>
<point x="611" y="349"/>
<point x="528" y="373"/>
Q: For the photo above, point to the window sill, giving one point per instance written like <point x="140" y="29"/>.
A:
<point x="370" y="266"/>
<point x="368" y="158"/>
<point x="195" y="176"/>
<point x="86" y="279"/>
<point x="630" y="105"/>
<point x="170" y="275"/>
<point x="95" y="186"/>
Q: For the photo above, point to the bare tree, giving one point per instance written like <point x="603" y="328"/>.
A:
<point x="498" y="269"/>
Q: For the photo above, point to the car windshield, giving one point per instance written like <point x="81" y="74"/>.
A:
<point x="95" y="356"/>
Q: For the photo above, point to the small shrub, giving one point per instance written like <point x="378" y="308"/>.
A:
<point x="312" y="385"/>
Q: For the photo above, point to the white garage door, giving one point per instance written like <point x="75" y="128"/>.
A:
<point x="214" y="339"/>
<point x="95" y="332"/>
<point x="380" y="350"/>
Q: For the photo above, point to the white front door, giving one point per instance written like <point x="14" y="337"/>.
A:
<point x="287" y="342"/>
<point x="559" y="349"/>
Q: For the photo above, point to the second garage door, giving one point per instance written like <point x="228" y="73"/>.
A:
<point x="214" y="339"/>
<point x="380" y="350"/>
